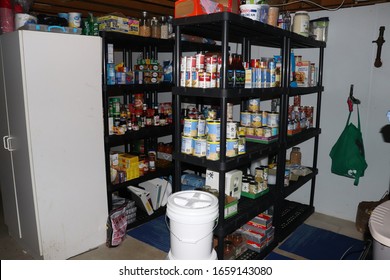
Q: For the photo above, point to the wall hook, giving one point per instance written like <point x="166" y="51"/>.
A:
<point x="379" y="41"/>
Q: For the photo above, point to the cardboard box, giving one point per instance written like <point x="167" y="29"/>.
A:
<point x="303" y="73"/>
<point x="120" y="24"/>
<point x="189" y="8"/>
<point x="231" y="207"/>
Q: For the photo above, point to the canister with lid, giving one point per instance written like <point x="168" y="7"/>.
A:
<point x="301" y="23"/>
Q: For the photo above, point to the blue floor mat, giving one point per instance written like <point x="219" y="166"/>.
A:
<point x="318" y="244"/>
<point x="276" y="256"/>
<point x="154" y="233"/>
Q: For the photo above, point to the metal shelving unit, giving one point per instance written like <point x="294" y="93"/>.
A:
<point x="231" y="28"/>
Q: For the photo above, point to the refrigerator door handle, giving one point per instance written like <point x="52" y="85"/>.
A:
<point x="5" y="142"/>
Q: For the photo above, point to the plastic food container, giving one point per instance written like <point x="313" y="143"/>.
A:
<point x="319" y="28"/>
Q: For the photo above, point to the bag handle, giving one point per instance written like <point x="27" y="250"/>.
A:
<point x="358" y="115"/>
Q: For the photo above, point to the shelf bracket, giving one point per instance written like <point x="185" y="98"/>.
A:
<point x="380" y="41"/>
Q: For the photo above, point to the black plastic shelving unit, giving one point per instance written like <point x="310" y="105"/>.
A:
<point x="126" y="44"/>
<point x="229" y="28"/>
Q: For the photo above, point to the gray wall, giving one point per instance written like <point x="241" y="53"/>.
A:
<point x="349" y="59"/>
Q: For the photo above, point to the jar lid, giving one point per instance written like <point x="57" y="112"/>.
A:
<point x="301" y="12"/>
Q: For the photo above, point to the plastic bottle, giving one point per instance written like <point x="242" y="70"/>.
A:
<point x="240" y="72"/>
<point x="231" y="77"/>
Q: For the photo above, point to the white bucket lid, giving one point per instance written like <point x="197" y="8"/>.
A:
<point x="379" y="223"/>
<point x="192" y="207"/>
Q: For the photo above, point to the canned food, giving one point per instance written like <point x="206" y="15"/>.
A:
<point x="259" y="131"/>
<point x="273" y="120"/>
<point x="250" y="131"/>
<point x="264" y="117"/>
<point x="200" y="147"/>
<point x="254" y="105"/>
<point x="267" y="132"/>
<point x="213" y="129"/>
<point x="201" y="127"/>
<point x="241" y="131"/>
<point x="191" y="63"/>
<point x="246" y="118"/>
<point x="256" y="119"/>
<point x="231" y="129"/>
<point x="241" y="145"/>
<point x="190" y="127"/>
<point x="199" y="58"/>
<point x="274" y="131"/>
<point x="231" y="147"/>
<point x="187" y="145"/>
<point x="212" y="150"/>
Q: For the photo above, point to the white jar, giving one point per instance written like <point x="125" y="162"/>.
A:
<point x="301" y="23"/>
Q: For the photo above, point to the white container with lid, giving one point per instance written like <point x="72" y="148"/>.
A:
<point x="379" y="225"/>
<point x="301" y="23"/>
<point x="192" y="219"/>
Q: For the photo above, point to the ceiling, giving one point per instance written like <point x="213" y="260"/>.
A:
<point x="165" y="7"/>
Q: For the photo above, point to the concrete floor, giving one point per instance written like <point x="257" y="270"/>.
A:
<point x="132" y="249"/>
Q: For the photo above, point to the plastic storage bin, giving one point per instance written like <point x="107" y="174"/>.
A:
<point x="379" y="225"/>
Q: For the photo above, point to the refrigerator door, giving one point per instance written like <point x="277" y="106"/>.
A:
<point x="8" y="190"/>
<point x="63" y="98"/>
<point x="21" y="185"/>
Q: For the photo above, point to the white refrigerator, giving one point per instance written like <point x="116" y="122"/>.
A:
<point x="52" y="171"/>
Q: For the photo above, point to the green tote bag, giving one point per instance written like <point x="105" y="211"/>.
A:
<point x="347" y="154"/>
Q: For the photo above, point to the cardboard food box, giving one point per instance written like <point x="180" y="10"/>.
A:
<point x="120" y="24"/>
<point x="231" y="207"/>
<point x="303" y="73"/>
<point x="188" y="8"/>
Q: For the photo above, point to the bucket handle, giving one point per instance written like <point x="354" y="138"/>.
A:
<point x="190" y="241"/>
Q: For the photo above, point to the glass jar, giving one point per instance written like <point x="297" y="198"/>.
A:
<point x="295" y="156"/>
<point x="164" y="28"/>
<point x="156" y="28"/>
<point x="301" y="23"/>
<point x="144" y="25"/>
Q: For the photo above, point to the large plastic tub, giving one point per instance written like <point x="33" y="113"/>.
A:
<point x="379" y="225"/>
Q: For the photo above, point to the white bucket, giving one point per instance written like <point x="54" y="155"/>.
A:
<point x="192" y="219"/>
<point x="251" y="11"/>
<point x="213" y="256"/>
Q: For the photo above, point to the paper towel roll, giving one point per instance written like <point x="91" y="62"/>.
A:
<point x="22" y="19"/>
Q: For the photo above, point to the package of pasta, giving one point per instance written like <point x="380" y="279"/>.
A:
<point x="116" y="226"/>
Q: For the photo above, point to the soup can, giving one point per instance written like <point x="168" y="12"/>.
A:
<point x="200" y="147"/>
<point x="259" y="131"/>
<point x="231" y="147"/>
<point x="246" y="118"/>
<point x="231" y="129"/>
<point x="256" y="119"/>
<point x="264" y="117"/>
<point x="267" y="132"/>
<point x="273" y="120"/>
<point x="213" y="129"/>
<point x="241" y="145"/>
<point x="241" y="131"/>
<point x="250" y="131"/>
<point x="201" y="127"/>
<point x="187" y="145"/>
<point x="190" y="127"/>
<point x="212" y="150"/>
<point x="254" y="105"/>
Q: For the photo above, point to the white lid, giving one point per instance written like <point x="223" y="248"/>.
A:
<point x="379" y="223"/>
<point x="192" y="206"/>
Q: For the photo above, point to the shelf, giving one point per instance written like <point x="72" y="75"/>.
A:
<point x="119" y="90"/>
<point x="253" y="151"/>
<point x="301" y="137"/>
<point x="233" y="93"/>
<point x="135" y="42"/>
<point x="134" y="182"/>
<point x="210" y="26"/>
<point x="147" y="132"/>
<point x="293" y="214"/>
<point x="295" y="185"/>
<point x="247" y="210"/>
<point x="304" y="90"/>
